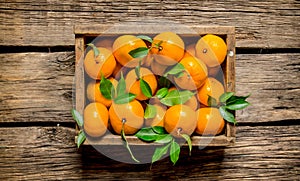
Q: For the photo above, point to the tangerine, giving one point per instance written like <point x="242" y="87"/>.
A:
<point x="194" y="75"/>
<point x="180" y="119"/>
<point x="211" y="49"/>
<point x="167" y="48"/>
<point x="133" y="82"/>
<point x="210" y="121"/>
<point x="158" y="120"/>
<point x="95" y="119"/>
<point x="130" y="114"/>
<point x="213" y="88"/>
<point x="104" y="63"/>
<point x="94" y="94"/>
<point x="123" y="45"/>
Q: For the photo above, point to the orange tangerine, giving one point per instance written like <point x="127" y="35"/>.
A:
<point x="212" y="87"/>
<point x="167" y="48"/>
<point x="123" y="45"/>
<point x="94" y="94"/>
<point x="158" y="120"/>
<point x="211" y="49"/>
<point x="194" y="76"/>
<point x="210" y="121"/>
<point x="133" y="83"/>
<point x="131" y="113"/>
<point x="180" y="119"/>
<point x="95" y="119"/>
<point x="104" y="63"/>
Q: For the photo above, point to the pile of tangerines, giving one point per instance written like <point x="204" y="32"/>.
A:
<point x="160" y="81"/>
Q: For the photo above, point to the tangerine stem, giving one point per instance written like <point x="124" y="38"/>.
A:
<point x="126" y="142"/>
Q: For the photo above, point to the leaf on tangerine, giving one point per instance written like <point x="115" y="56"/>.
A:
<point x="139" y="52"/>
<point x="106" y="88"/>
<point x="150" y="111"/>
<point x="145" y="37"/>
<point x="95" y="50"/>
<point x="121" y="87"/>
<point x="146" y="89"/>
<point x="124" y="98"/>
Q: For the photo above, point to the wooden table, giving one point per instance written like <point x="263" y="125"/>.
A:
<point x="37" y="72"/>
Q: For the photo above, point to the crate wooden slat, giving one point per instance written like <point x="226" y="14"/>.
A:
<point x="228" y="66"/>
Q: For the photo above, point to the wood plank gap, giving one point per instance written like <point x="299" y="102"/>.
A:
<point x="26" y="49"/>
<point x="266" y="50"/>
<point x="37" y="124"/>
<point x="286" y="122"/>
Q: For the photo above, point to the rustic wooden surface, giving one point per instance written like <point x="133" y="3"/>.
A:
<point x="49" y="153"/>
<point x="272" y="23"/>
<point x="36" y="81"/>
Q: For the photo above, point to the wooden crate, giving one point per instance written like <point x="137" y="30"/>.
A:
<point x="84" y="35"/>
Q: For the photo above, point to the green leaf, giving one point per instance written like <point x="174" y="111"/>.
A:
<point x="161" y="93"/>
<point x="227" y="115"/>
<point x="188" y="140"/>
<point x="225" y="96"/>
<point x="124" y="98"/>
<point x="150" y="111"/>
<point x="159" y="152"/>
<point x="139" y="52"/>
<point x="137" y="70"/>
<point x="127" y="144"/>
<point x="164" y="82"/>
<point x="178" y="68"/>
<point x="174" y="152"/>
<point x="171" y="99"/>
<point x="180" y="74"/>
<point x="146" y="89"/>
<point x="81" y="138"/>
<point x="175" y="97"/>
<point x="77" y="117"/>
<point x="238" y="105"/>
<point x="145" y="37"/>
<point x="159" y="129"/>
<point x="95" y="49"/>
<point x="212" y="102"/>
<point x="106" y="88"/>
<point x="163" y="139"/>
<point x="146" y="134"/>
<point x="232" y="99"/>
<point x="185" y="95"/>
<point x="121" y="87"/>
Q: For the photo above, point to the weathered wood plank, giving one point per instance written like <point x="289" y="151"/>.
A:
<point x="264" y="152"/>
<point x="273" y="80"/>
<point x="37" y="87"/>
<point x="268" y="24"/>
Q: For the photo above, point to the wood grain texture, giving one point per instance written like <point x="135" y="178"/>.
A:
<point x="273" y="80"/>
<point x="268" y="24"/>
<point x="37" y="87"/>
<point x="270" y="153"/>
